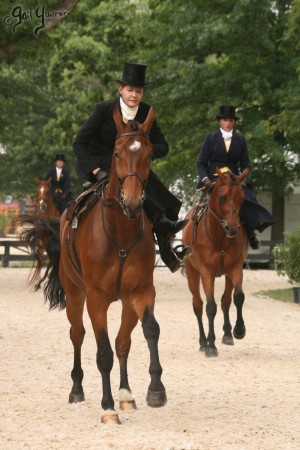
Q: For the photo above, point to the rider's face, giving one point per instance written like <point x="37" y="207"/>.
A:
<point x="131" y="95"/>
<point x="59" y="163"/>
<point x="227" y="124"/>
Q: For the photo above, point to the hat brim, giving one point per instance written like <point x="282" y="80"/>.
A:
<point x="133" y="83"/>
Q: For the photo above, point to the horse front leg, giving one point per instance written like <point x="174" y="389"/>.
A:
<point x="211" y="311"/>
<point x="225" y="303"/>
<point x="123" y="344"/>
<point x="97" y="306"/>
<point x="156" y="395"/>
<point x="193" y="277"/>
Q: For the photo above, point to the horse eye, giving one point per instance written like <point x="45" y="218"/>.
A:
<point x="222" y="198"/>
<point x="116" y="155"/>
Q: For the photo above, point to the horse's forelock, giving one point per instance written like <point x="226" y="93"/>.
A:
<point x="133" y="125"/>
<point x="232" y="176"/>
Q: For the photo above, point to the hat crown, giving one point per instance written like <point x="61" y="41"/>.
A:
<point x="227" y="111"/>
<point x="60" y="157"/>
<point x="134" y="75"/>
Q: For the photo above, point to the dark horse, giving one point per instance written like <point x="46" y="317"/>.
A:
<point x="110" y="256"/>
<point x="46" y="206"/>
<point x="219" y="247"/>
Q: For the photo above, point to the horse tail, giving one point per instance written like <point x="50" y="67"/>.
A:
<point x="41" y="237"/>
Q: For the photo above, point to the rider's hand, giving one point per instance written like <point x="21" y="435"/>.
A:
<point x="207" y="183"/>
<point x="101" y="175"/>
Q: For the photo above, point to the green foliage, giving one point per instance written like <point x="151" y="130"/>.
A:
<point x="282" y="295"/>
<point x="288" y="254"/>
<point x="200" y="54"/>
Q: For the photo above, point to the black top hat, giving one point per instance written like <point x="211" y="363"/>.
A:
<point x="227" y="112"/>
<point x="60" y="158"/>
<point x="134" y="75"/>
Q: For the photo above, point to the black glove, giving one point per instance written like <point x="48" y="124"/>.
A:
<point x="207" y="184"/>
<point x="101" y="175"/>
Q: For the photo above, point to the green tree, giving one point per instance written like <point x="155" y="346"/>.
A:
<point x="241" y="52"/>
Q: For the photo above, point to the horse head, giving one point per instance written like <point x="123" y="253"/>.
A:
<point x="131" y="162"/>
<point x="226" y="201"/>
<point x="42" y="192"/>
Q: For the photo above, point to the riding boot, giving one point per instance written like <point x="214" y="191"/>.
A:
<point x="253" y="239"/>
<point x="167" y="228"/>
<point x="172" y="258"/>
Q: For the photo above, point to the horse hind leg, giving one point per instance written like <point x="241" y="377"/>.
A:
<point x="193" y="277"/>
<point x="225" y="303"/>
<point x="123" y="344"/>
<point x="74" y="310"/>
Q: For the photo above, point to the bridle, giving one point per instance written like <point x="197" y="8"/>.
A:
<point x="221" y="219"/>
<point x="131" y="174"/>
<point x="42" y="198"/>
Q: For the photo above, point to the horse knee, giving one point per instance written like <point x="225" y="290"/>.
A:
<point x="105" y="355"/>
<point x="211" y="308"/>
<point x="150" y="326"/>
<point x="239" y="298"/>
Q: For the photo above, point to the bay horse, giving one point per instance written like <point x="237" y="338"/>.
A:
<point x="110" y="256"/>
<point x="219" y="245"/>
<point x="46" y="206"/>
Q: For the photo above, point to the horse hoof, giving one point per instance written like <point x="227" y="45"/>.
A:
<point x="156" y="399"/>
<point x="110" y="417"/>
<point x="227" y="340"/>
<point x="203" y="347"/>
<point x="127" y="405"/>
<point x="76" y="398"/>
<point x="239" y="335"/>
<point x="209" y="352"/>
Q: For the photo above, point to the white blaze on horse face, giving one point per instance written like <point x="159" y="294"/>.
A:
<point x="135" y="146"/>
<point x="42" y="190"/>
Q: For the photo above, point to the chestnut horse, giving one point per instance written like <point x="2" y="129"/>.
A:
<point x="110" y="256"/>
<point x="46" y="206"/>
<point x="219" y="245"/>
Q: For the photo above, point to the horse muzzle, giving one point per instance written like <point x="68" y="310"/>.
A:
<point x="230" y="230"/>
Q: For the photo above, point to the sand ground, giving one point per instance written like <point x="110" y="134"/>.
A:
<point x="247" y="398"/>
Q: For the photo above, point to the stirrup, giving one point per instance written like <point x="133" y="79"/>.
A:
<point x="187" y="254"/>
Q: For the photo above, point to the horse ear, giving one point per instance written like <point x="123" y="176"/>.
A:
<point x="48" y="181"/>
<point x="146" y="126"/>
<point x="37" y="180"/>
<point x="118" y="119"/>
<point x="243" y="175"/>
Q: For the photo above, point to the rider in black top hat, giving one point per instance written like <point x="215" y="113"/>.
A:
<point x="60" y="183"/>
<point x="94" y="145"/>
<point x="225" y="148"/>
